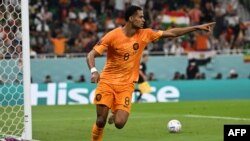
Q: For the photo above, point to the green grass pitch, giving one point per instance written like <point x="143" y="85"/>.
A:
<point x="201" y="121"/>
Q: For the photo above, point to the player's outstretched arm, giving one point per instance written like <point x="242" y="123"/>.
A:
<point x="175" y="32"/>
<point x="95" y="77"/>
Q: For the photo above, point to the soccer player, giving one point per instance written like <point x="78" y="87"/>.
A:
<point x="116" y="83"/>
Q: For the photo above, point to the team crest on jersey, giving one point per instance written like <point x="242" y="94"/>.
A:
<point x="98" y="97"/>
<point x="135" y="46"/>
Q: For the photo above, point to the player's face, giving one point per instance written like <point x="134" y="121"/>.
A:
<point x="138" y="19"/>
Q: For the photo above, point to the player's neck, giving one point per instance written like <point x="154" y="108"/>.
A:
<point x="128" y="30"/>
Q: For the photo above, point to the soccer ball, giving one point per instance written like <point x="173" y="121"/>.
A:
<point x="174" y="126"/>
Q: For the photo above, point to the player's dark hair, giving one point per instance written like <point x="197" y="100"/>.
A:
<point x="131" y="10"/>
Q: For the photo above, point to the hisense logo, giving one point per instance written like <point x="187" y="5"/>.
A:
<point x="62" y="94"/>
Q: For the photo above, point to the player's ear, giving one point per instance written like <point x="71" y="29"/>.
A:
<point x="131" y="18"/>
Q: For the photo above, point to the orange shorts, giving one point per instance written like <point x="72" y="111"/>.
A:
<point x="114" y="96"/>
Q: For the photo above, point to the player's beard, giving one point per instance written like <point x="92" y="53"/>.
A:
<point x="137" y="26"/>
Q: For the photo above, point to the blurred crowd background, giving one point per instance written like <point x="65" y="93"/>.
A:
<point x="59" y="27"/>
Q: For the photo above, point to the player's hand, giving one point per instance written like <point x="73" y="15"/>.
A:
<point x="207" y="27"/>
<point x="95" y="77"/>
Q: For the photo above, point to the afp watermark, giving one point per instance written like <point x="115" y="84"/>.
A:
<point x="236" y="132"/>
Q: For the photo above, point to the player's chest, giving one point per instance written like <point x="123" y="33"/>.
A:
<point x="130" y="46"/>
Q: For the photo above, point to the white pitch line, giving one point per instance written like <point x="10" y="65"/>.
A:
<point x="216" y="117"/>
<point x="149" y="117"/>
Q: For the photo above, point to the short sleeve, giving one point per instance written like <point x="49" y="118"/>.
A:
<point x="103" y="44"/>
<point x="152" y="35"/>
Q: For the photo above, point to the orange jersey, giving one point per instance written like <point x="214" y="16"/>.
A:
<point x="124" y="54"/>
<point x="59" y="45"/>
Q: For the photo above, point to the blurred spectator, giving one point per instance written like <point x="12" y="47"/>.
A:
<point x="42" y="29"/>
<point x="43" y="18"/>
<point x="232" y="74"/>
<point x="195" y="15"/>
<point x="90" y="44"/>
<point x="176" y="48"/>
<point x="202" y="41"/>
<point x="192" y="70"/>
<point x="177" y="76"/>
<point x="200" y="76"/>
<point x="59" y="43"/>
<point x="33" y="35"/>
<point x="89" y="25"/>
<point x="218" y="76"/>
<point x="207" y="12"/>
<point x="167" y="46"/>
<point x="182" y="77"/>
<point x="72" y="13"/>
<point x="120" y="5"/>
<point x="119" y="20"/>
<point x="74" y="30"/>
<point x="151" y="77"/>
<point x="142" y="75"/>
<point x="187" y="44"/>
<point x="83" y="13"/>
<point x="156" y="22"/>
<point x="48" y="79"/>
<point x="157" y="49"/>
<point x="69" y="79"/>
<point x="203" y="76"/>
<point x="220" y="26"/>
<point x="32" y="53"/>
<point x="140" y="3"/>
<point x="197" y="76"/>
<point x="233" y="23"/>
<point x="79" y="43"/>
<point x="109" y="23"/>
<point x="81" y="79"/>
<point x="242" y="34"/>
<point x="233" y="4"/>
<point x="96" y="5"/>
<point x="18" y="51"/>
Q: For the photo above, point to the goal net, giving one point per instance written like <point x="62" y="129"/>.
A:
<point x="15" y="108"/>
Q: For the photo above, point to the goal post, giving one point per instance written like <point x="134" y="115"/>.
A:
<point x="26" y="70"/>
<point x="15" y="78"/>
